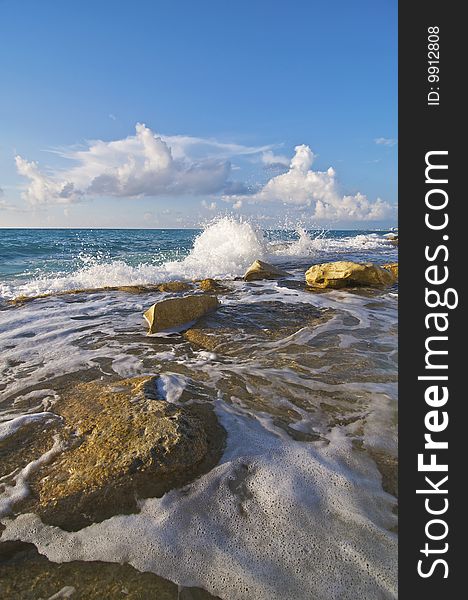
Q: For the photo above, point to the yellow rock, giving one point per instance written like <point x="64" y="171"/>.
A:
<point x="393" y="268"/>
<point x="211" y="285"/>
<point x="174" y="286"/>
<point x="341" y="274"/>
<point x="263" y="270"/>
<point x="120" y="441"/>
<point x="174" y="312"/>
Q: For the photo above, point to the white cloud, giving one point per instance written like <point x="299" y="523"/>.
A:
<point x="209" y="205"/>
<point x="381" y="141"/>
<point x="147" y="164"/>
<point x="43" y="189"/>
<point x="143" y="164"/>
<point x="302" y="186"/>
<point x="274" y="160"/>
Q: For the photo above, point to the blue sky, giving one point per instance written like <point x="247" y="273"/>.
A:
<point x="228" y="92"/>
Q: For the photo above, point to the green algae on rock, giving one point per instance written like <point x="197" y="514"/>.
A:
<point x="174" y="312"/>
<point x="342" y="274"/>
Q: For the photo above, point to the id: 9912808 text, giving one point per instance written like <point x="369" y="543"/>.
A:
<point x="433" y="69"/>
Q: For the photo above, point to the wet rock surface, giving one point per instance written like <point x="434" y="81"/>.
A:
<point x="119" y="442"/>
<point x="169" y="286"/>
<point x="27" y="575"/>
<point x="211" y="285"/>
<point x="175" y="312"/>
<point x="234" y="328"/>
<point x="262" y="270"/>
<point x="342" y="274"/>
<point x="393" y="268"/>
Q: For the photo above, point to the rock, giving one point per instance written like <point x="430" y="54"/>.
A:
<point x="27" y="575"/>
<point x="211" y="285"/>
<point x="175" y="286"/>
<point x="238" y="329"/>
<point x="347" y="274"/>
<point x="393" y="269"/>
<point x="174" y="312"/>
<point x="263" y="270"/>
<point x="169" y="286"/>
<point x="120" y="442"/>
<point x="206" y="338"/>
<point x="392" y="238"/>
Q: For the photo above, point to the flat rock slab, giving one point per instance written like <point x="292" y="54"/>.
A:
<point x="27" y="575"/>
<point x="241" y="327"/>
<point x="119" y="442"/>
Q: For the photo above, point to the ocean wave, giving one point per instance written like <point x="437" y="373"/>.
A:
<point x="224" y="250"/>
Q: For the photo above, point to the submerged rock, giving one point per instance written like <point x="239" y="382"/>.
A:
<point x="119" y="442"/>
<point x="263" y="270"/>
<point x="238" y="329"/>
<point x="393" y="269"/>
<point x="341" y="274"/>
<point x="175" y="312"/>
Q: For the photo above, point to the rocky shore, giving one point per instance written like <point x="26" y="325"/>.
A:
<point x="117" y="441"/>
<point x="105" y="444"/>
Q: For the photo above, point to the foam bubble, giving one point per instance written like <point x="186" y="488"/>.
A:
<point x="251" y="528"/>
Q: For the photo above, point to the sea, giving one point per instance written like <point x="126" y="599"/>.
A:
<point x="304" y="383"/>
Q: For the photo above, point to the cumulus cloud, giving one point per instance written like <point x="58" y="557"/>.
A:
<point x="150" y="165"/>
<point x="43" y="189"/>
<point x="381" y="141"/>
<point x="302" y="186"/>
<point x="143" y="164"/>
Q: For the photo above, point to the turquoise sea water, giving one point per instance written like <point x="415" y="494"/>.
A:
<point x="27" y="255"/>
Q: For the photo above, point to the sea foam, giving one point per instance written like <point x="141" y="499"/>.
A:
<point x="316" y="529"/>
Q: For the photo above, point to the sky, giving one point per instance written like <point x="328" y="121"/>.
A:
<point x="156" y="114"/>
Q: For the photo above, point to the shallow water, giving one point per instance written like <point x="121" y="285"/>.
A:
<point x="302" y="503"/>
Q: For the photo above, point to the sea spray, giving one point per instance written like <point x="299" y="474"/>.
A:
<point x="224" y="250"/>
